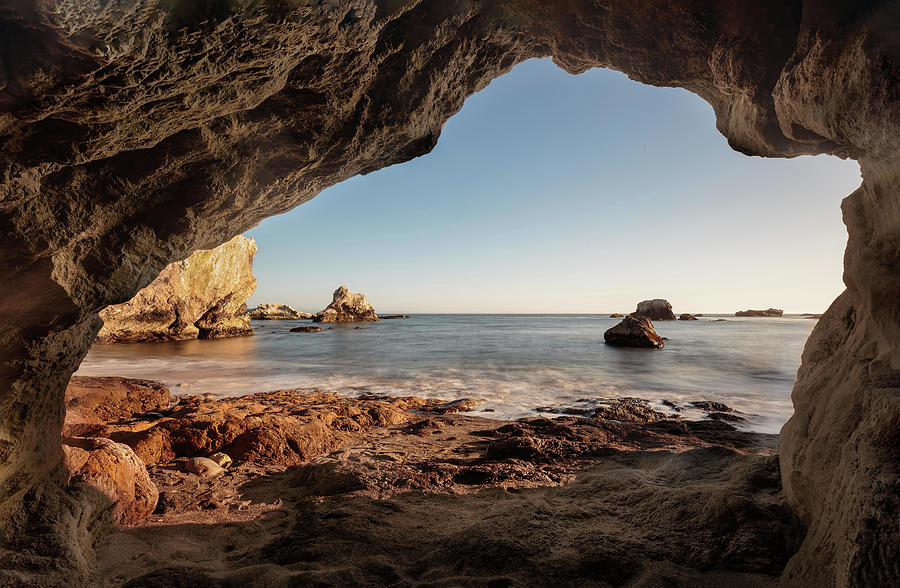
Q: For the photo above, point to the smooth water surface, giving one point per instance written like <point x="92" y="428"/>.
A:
<point x="516" y="363"/>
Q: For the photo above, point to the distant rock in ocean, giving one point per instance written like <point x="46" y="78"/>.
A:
<point x="771" y="312"/>
<point x="306" y="329"/>
<point x="655" y="310"/>
<point x="393" y="316"/>
<point x="204" y="296"/>
<point x="347" y="307"/>
<point x="810" y="315"/>
<point x="616" y="315"/>
<point x="277" y="312"/>
<point x="687" y="317"/>
<point x="635" y="330"/>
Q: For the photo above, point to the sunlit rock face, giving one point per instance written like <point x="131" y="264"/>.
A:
<point x="132" y="134"/>
<point x="204" y="296"/>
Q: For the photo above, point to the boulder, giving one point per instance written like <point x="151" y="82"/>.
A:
<point x="771" y="312"/>
<point x="204" y="296"/>
<point x="115" y="471"/>
<point x="203" y="467"/>
<point x="223" y="460"/>
<point x="655" y="310"/>
<point x="617" y="315"/>
<point x="635" y="330"/>
<point x="347" y="307"/>
<point x="277" y="312"/>
<point x="687" y="317"/>
<point x="306" y="329"/>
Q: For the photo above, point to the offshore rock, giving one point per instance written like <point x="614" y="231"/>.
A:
<point x="688" y="317"/>
<point x="204" y="296"/>
<point x="768" y="313"/>
<point x="277" y="312"/>
<point x="347" y="307"/>
<point x="655" y="310"/>
<point x="635" y="330"/>
<point x="306" y="329"/>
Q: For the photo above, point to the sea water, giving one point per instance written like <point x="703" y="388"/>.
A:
<point x="516" y="364"/>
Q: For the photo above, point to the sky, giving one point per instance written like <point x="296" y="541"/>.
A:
<point x="553" y="193"/>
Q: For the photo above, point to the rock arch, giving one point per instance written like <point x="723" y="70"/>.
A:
<point x="134" y="133"/>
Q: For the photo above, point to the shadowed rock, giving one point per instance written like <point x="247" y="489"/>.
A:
<point x="634" y="331"/>
<point x="655" y="310"/>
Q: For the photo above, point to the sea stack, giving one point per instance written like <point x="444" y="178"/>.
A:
<point x="655" y="310"/>
<point x="347" y="307"/>
<point x="635" y="330"/>
<point x="277" y="312"/>
<point x="771" y="313"/>
<point x="203" y="297"/>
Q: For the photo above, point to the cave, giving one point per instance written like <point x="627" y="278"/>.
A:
<point x="136" y="133"/>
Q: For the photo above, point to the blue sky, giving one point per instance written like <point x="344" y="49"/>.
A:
<point x="556" y="193"/>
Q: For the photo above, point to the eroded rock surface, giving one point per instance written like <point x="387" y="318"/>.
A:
<point x="134" y="135"/>
<point x="204" y="296"/>
<point x="347" y="307"/>
<point x="277" y="312"/>
<point x="114" y="470"/>
<point x="645" y="475"/>
<point x="635" y="330"/>
<point x="655" y="310"/>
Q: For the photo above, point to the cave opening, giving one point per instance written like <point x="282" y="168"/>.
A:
<point x="132" y="137"/>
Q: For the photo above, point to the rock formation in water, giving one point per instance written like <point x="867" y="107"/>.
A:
<point x="768" y="313"/>
<point x="655" y="310"/>
<point x="134" y="135"/>
<point x="617" y="315"/>
<point x="635" y="330"/>
<point x="204" y="296"/>
<point x="347" y="307"/>
<point x="277" y="312"/>
<point x="306" y="329"/>
<point x="687" y="317"/>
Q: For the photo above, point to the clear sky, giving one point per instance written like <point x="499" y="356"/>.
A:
<point x="556" y="193"/>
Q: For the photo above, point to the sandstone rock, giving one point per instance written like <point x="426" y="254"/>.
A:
<point x="461" y="405"/>
<point x="203" y="297"/>
<point x="634" y="331"/>
<point x="203" y="467"/>
<point x="277" y="312"/>
<point x="687" y="317"/>
<point x="114" y="470"/>
<point x="133" y="135"/>
<point x="616" y="315"/>
<point x="100" y="400"/>
<point x="347" y="307"/>
<point x="306" y="329"/>
<point x="221" y="459"/>
<point x="771" y="312"/>
<point x="655" y="310"/>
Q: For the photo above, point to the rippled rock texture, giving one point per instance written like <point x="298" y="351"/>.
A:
<point x="133" y="134"/>
<point x="204" y="296"/>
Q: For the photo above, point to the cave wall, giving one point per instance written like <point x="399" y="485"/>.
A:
<point x="133" y="133"/>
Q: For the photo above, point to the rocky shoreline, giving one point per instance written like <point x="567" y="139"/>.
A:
<point x="370" y="490"/>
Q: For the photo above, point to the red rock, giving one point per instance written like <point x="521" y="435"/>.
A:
<point x="114" y="470"/>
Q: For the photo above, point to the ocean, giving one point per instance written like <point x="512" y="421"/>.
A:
<point x="516" y="364"/>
